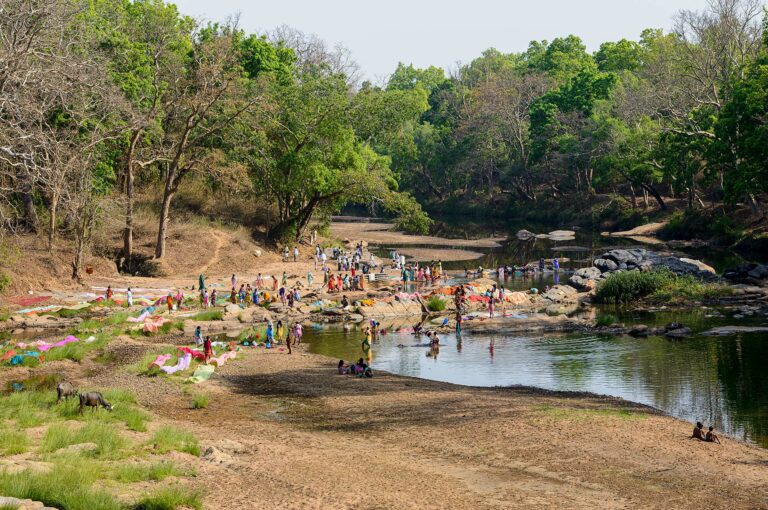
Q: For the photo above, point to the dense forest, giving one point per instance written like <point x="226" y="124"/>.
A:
<point x="106" y="105"/>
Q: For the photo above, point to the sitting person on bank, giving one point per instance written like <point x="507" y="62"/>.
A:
<point x="698" y="432"/>
<point x="343" y="368"/>
<point x="711" y="437"/>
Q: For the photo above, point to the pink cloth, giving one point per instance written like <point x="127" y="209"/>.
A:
<point x="151" y="325"/>
<point x="182" y="364"/>
<point x="140" y="318"/>
<point x="220" y="360"/>
<point x="161" y="359"/>
<point x="46" y="347"/>
<point x="27" y="345"/>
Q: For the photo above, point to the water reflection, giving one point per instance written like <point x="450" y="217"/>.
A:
<point x="719" y="380"/>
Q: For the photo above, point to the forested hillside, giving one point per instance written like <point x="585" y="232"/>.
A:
<point x="116" y="108"/>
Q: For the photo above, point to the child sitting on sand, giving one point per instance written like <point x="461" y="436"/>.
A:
<point x="711" y="437"/>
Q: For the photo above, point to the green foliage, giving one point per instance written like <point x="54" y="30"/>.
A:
<point x="5" y="281"/>
<point x="13" y="442"/>
<point x="170" y="498"/>
<point x="606" y="319"/>
<point x="167" y="439"/>
<point x="146" y="471"/>
<point x="436" y="304"/>
<point x="200" y="401"/>
<point x="108" y="440"/>
<point x="69" y="486"/>
<point x="695" y="224"/>
<point x="628" y="286"/>
<point x="659" y="285"/>
<point x="208" y="315"/>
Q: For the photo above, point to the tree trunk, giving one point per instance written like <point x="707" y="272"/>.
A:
<point x="128" y="176"/>
<point x="655" y="195"/>
<point x="52" y="222"/>
<point x="634" y="197"/>
<point x="30" y="213"/>
<point x="163" y="227"/>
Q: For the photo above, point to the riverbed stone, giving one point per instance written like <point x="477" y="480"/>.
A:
<point x="678" y="332"/>
<point x="606" y="265"/>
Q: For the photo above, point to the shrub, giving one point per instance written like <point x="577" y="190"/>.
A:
<point x="170" y="498"/>
<point x="168" y="439"/>
<point x="606" y="319"/>
<point x="5" y="281"/>
<point x="4" y="315"/>
<point x="200" y="401"/>
<point x="659" y="285"/>
<point x="436" y="304"/>
<point x="627" y="286"/>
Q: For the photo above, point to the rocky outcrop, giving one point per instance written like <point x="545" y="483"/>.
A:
<point x="637" y="259"/>
<point x="748" y="273"/>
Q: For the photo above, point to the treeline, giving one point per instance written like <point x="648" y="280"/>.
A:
<point x="105" y="100"/>
<point x="681" y="113"/>
<point x="99" y="96"/>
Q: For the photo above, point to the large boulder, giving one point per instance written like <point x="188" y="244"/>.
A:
<point x="606" y="265"/>
<point x="561" y="294"/>
<point x="625" y="256"/>
<point x="518" y="299"/>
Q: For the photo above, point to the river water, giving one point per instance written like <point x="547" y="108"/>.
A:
<point x="722" y="381"/>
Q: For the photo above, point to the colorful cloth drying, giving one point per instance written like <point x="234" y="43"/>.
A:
<point x="60" y="343"/>
<point x="152" y="324"/>
<point x="182" y="364"/>
<point x="198" y="355"/>
<point x="202" y="373"/>
<point x="160" y="360"/>
<point x="220" y="360"/>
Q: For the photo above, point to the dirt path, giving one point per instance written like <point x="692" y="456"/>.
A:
<point x="313" y="439"/>
<point x="215" y="257"/>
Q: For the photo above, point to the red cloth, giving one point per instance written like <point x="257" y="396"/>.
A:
<point x="195" y="353"/>
<point x="28" y="300"/>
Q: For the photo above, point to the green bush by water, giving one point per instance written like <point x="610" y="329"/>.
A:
<point x="436" y="304"/>
<point x="660" y="285"/>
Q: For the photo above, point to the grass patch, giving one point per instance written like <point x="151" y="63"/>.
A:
<point x="69" y="486"/>
<point x="146" y="471"/>
<point x="109" y="442"/>
<point x="436" y="304"/>
<point x="170" y="498"/>
<point x="168" y="439"/>
<point x="77" y="351"/>
<point x="118" y="318"/>
<point x="13" y="442"/>
<point x="658" y="285"/>
<point x="26" y="408"/>
<point x="200" y="401"/>
<point x="167" y="328"/>
<point x="606" y="319"/>
<point x="5" y="314"/>
<point x="209" y="315"/>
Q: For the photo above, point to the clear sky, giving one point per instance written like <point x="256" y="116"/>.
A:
<point x="443" y="32"/>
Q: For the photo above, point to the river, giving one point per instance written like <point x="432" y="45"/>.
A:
<point x="721" y="381"/>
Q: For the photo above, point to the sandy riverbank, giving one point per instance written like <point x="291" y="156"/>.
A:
<point x="307" y="438"/>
